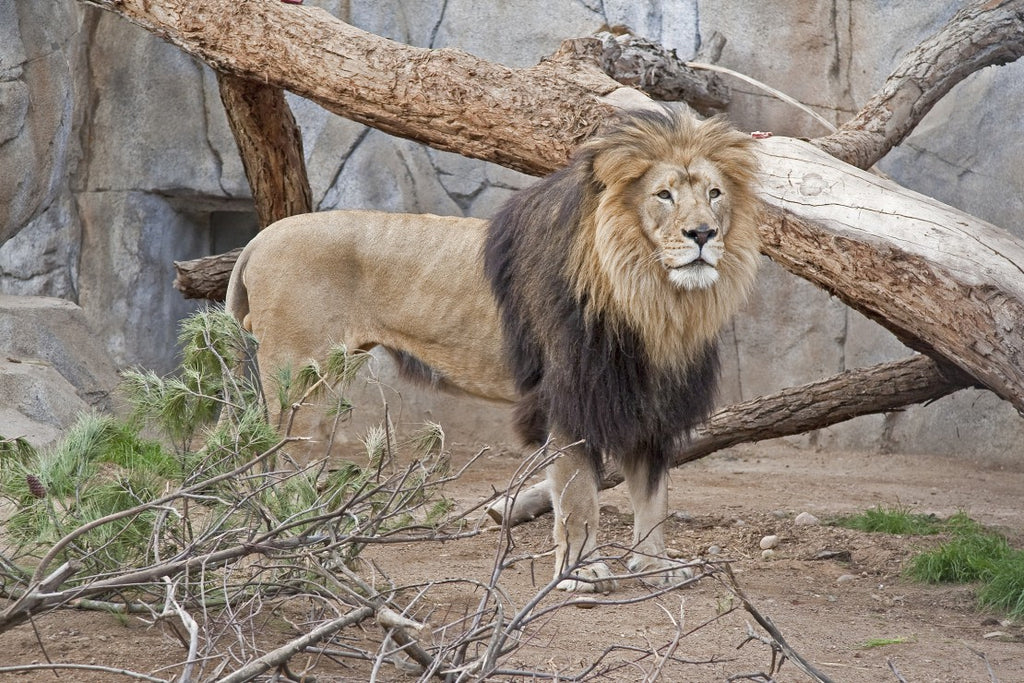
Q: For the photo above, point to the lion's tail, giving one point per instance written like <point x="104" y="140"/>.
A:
<point x="236" y="302"/>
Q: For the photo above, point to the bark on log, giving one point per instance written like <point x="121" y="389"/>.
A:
<point x="270" y="144"/>
<point x="530" y="118"/>
<point x="979" y="35"/>
<point x="796" y="410"/>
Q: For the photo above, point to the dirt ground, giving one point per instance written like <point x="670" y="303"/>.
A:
<point x="828" y="607"/>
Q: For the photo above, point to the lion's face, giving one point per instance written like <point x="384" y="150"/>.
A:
<point x="684" y="212"/>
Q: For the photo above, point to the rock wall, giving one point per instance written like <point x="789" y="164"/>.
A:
<point x="116" y="158"/>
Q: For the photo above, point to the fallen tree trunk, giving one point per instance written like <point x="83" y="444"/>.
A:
<point x="529" y="119"/>
<point x="792" y="411"/>
<point x="945" y="283"/>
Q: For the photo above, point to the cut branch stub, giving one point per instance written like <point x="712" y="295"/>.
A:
<point x="647" y="66"/>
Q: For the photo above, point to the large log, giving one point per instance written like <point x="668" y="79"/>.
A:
<point x="529" y="119"/>
<point x="946" y="283"/>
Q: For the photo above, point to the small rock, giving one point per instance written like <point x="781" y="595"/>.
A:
<point x="806" y="519"/>
<point x="780" y="514"/>
<point x="767" y="554"/>
<point x="769" y="542"/>
<point x="681" y="516"/>
<point x="739" y="522"/>
<point x="673" y="553"/>
<point x="714" y="550"/>
<point x="846" y="578"/>
<point x="609" y="509"/>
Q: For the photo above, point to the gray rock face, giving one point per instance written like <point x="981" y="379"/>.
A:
<point x="116" y="159"/>
<point x="52" y="367"/>
<point x="38" y="403"/>
<point x="37" y="108"/>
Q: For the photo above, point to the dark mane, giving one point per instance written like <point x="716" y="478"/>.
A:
<point x="584" y="376"/>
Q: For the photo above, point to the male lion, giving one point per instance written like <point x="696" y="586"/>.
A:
<point x="594" y="299"/>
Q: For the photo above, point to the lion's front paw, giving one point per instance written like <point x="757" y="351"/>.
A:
<point x="660" y="571"/>
<point x="592" y="578"/>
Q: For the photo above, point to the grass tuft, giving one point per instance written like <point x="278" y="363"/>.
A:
<point x="1004" y="590"/>
<point x="892" y="520"/>
<point x="872" y="643"/>
<point x="971" y="554"/>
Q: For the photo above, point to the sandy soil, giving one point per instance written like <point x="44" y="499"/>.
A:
<point x="827" y="609"/>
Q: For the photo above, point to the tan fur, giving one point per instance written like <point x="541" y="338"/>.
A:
<point x="415" y="283"/>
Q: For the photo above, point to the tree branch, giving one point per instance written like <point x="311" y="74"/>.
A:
<point x="270" y="144"/>
<point x="983" y="33"/>
<point x="206" y="277"/>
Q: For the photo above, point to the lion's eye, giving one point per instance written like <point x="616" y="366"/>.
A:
<point x="714" y="193"/>
<point x="664" y="194"/>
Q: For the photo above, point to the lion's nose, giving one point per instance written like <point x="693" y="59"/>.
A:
<point x="701" y="235"/>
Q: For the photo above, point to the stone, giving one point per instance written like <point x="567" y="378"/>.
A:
<point x="52" y="368"/>
<point x="768" y="542"/>
<point x="806" y="519"/>
<point x="50" y="332"/>
<point x="38" y="90"/>
<point x="39" y="404"/>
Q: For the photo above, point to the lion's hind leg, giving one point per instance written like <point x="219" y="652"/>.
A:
<point x="649" y="496"/>
<point x="572" y="479"/>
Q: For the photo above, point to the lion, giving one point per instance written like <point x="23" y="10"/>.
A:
<point x="592" y="301"/>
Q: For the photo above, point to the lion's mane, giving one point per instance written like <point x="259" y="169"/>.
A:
<point x="602" y="347"/>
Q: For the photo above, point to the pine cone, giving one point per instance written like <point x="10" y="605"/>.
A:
<point x="35" y="486"/>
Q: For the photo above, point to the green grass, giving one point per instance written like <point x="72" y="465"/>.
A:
<point x="872" y="643"/>
<point x="1004" y="589"/>
<point x="895" y="520"/>
<point x="971" y="554"/>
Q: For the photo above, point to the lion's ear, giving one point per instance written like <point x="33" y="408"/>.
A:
<point x="618" y="166"/>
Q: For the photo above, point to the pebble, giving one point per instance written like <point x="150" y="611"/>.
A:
<point x="767" y="554"/>
<point x="806" y="519"/>
<point x="769" y="542"/>
<point x="846" y="578"/>
<point x="714" y="550"/>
